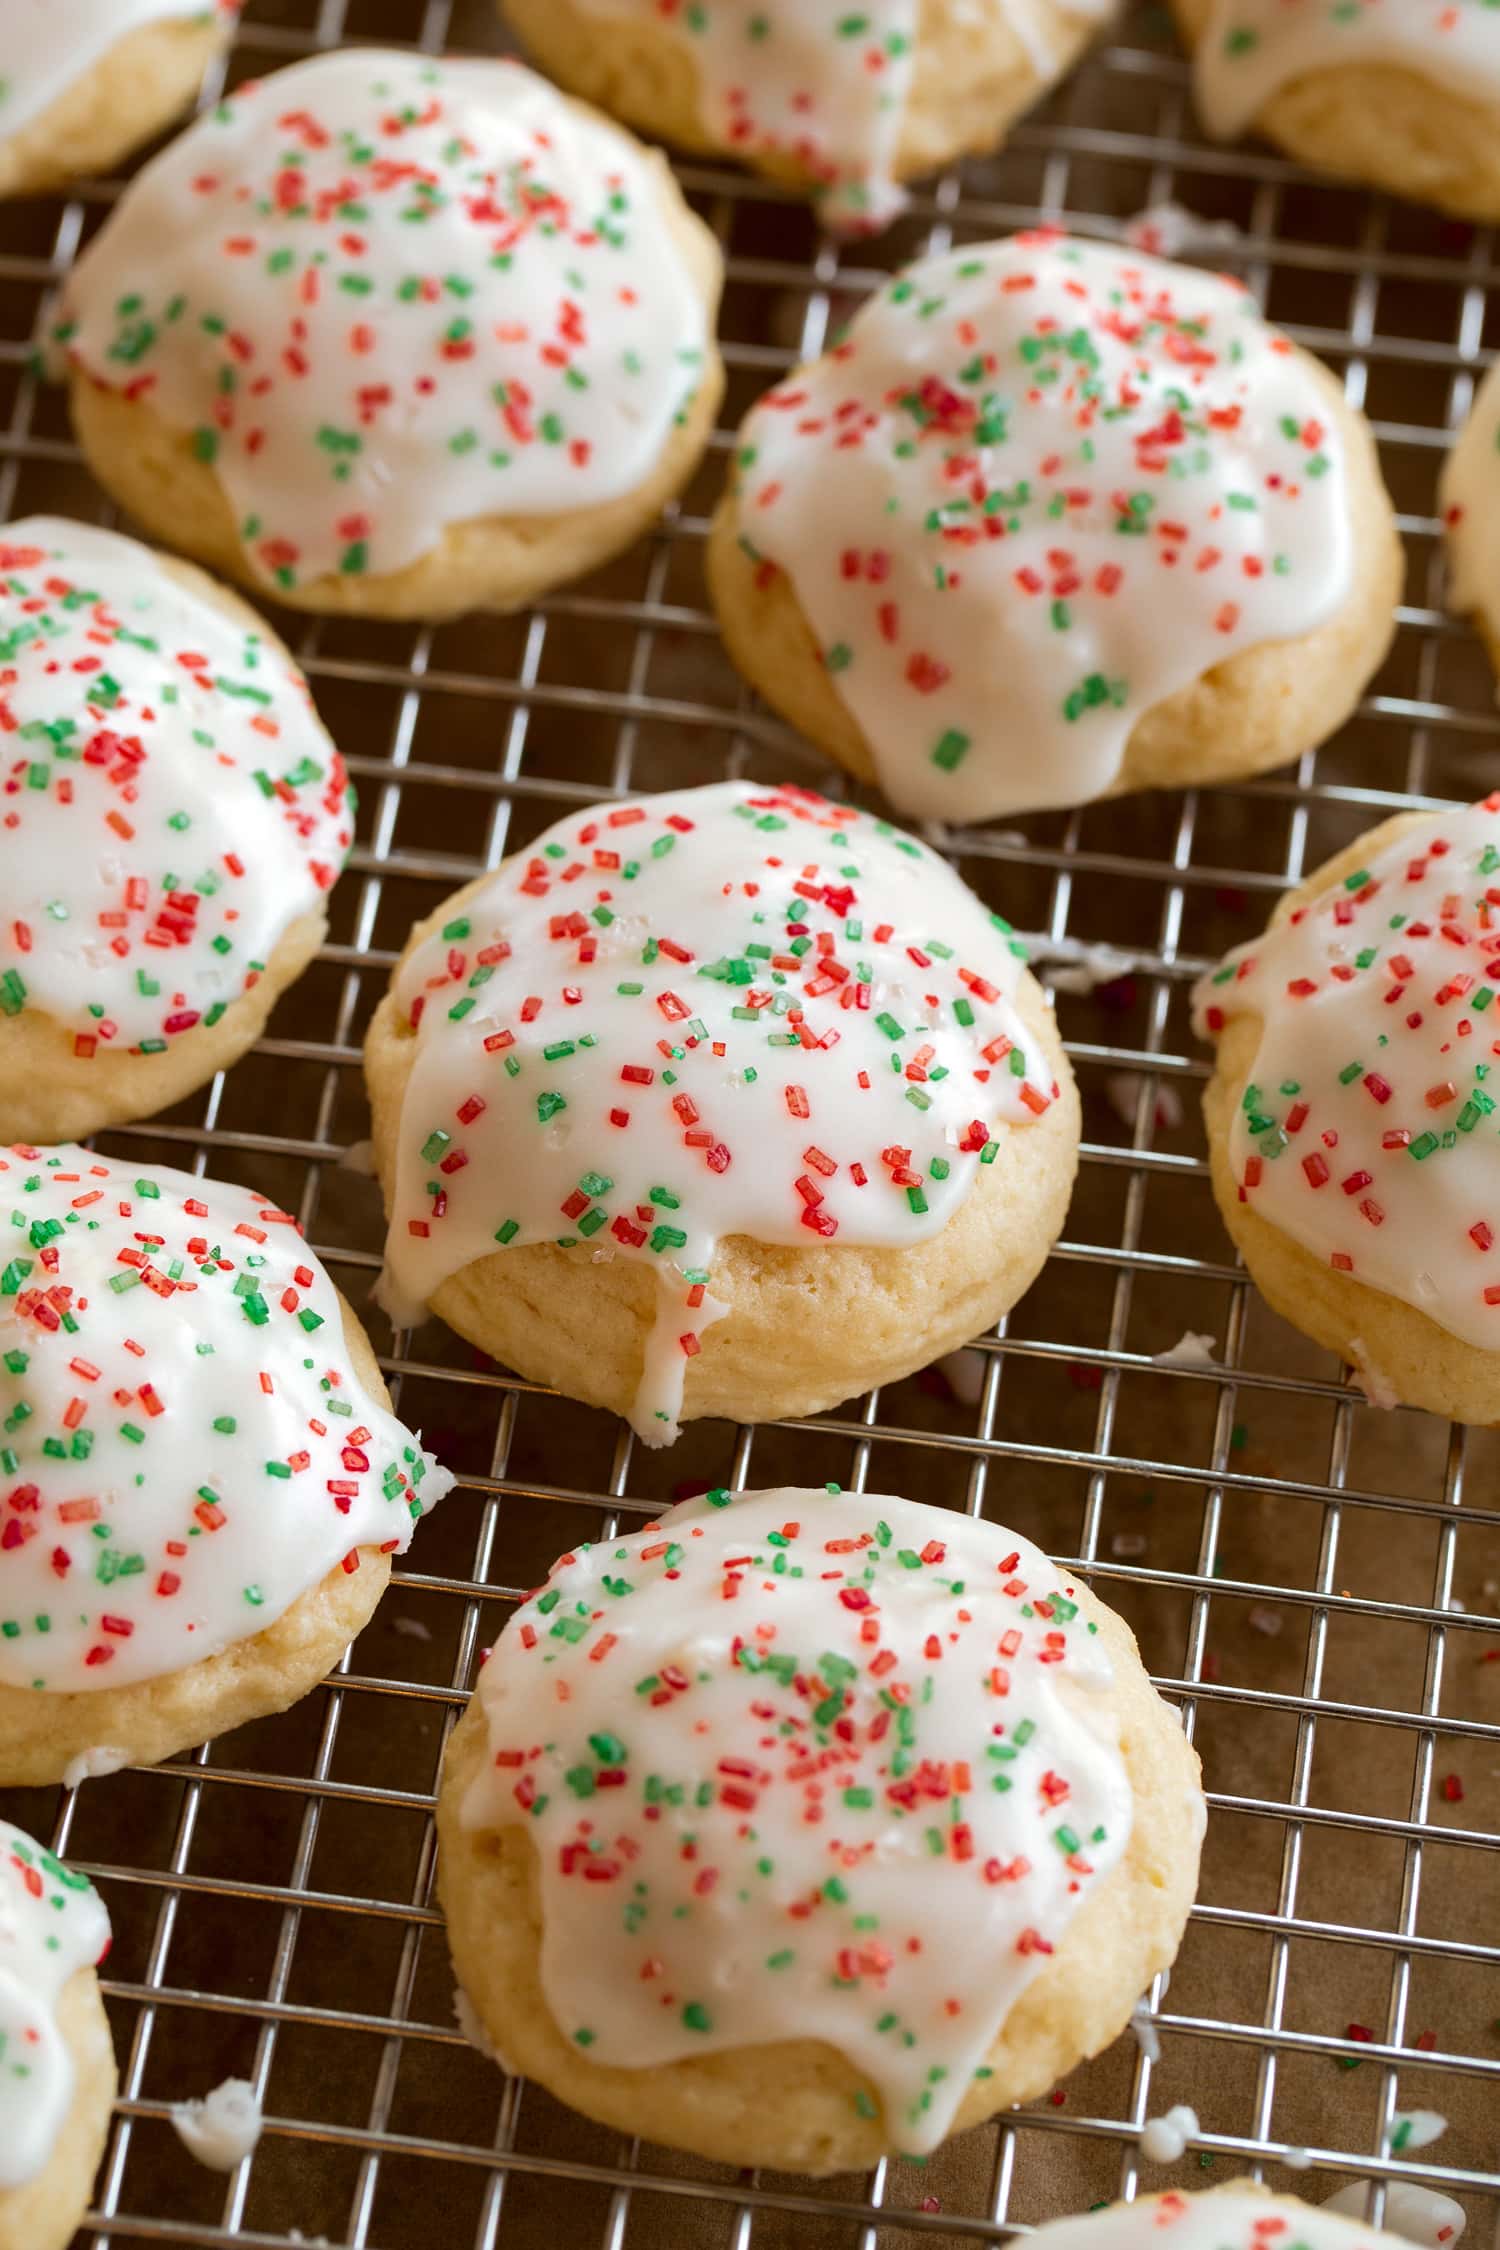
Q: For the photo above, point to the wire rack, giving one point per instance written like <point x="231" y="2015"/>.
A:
<point x="1314" y="1581"/>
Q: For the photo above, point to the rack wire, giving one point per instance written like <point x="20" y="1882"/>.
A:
<point x="1312" y="1580"/>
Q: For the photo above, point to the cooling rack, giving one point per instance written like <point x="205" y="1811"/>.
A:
<point x="1314" y="1581"/>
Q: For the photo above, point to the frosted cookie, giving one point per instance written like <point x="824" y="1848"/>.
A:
<point x="732" y="1102"/>
<point x="1238" y="2216"/>
<point x="85" y="83"/>
<point x="844" y="106"/>
<point x="1400" y="94"/>
<point x="201" y="1483"/>
<point x="1352" y="1126"/>
<point x="57" y="2060"/>
<point x="172" y="819"/>
<point x="1053" y="521"/>
<point x="398" y="336"/>
<point x="1469" y="497"/>
<point x="804" y="1828"/>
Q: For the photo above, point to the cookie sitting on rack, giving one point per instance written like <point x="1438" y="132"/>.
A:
<point x="172" y="819"/>
<point x="1053" y="521"/>
<point x="1238" y="2216"/>
<point x="81" y="88"/>
<point x="805" y="1828"/>
<point x="842" y="105"/>
<point x="1352" y="1115"/>
<point x="397" y="336"/>
<point x="57" y="2060"/>
<point x="1469" y="500"/>
<point x="202" y="1483"/>
<point x="732" y="1102"/>
<point x="1387" y="93"/>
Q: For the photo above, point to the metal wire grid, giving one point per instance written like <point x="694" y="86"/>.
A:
<point x="273" y="1894"/>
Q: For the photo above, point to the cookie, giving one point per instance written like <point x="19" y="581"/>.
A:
<point x="398" y="336"/>
<point x="1390" y="94"/>
<point x="1469" y="500"/>
<point x="1237" y="2216"/>
<point x="57" y="2062"/>
<point x="1351" y="1123"/>
<point x="77" y="102"/>
<point x="844" y="108"/>
<point x="1053" y="521"/>
<point x="890" y="1843"/>
<point x="730" y="1102"/>
<point x="172" y="819"/>
<point x="202" y="1483"/>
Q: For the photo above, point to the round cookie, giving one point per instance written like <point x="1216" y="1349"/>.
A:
<point x="845" y="108"/>
<point x="75" y="102"/>
<point x="1352" y="1130"/>
<point x="397" y="336"/>
<point x="1393" y="93"/>
<point x="1056" y="520"/>
<point x="57" y="2062"/>
<point x="172" y="818"/>
<point x="201" y="1484"/>
<point x="891" y="1842"/>
<point x="1238" y="2216"/>
<point x="730" y="1102"/>
<point x="1469" y="499"/>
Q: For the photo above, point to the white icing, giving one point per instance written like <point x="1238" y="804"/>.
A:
<point x="1469" y="500"/>
<point x="1147" y="2037"/>
<point x="94" y="1765"/>
<point x="749" y="999"/>
<point x="186" y="1447"/>
<point x="1164" y="2140"/>
<point x="52" y="1924"/>
<point x="224" y="2128"/>
<point x="1418" y="2128"/>
<point x="862" y="1770"/>
<point x="1041" y="486"/>
<point x="46" y="46"/>
<point x="388" y="295"/>
<point x="169" y="802"/>
<point x="1368" y="1131"/>
<point x="1237" y="2217"/>
<point x="827" y="87"/>
<point x="1190" y="1350"/>
<point x="1418" y="2214"/>
<point x="1251" y="49"/>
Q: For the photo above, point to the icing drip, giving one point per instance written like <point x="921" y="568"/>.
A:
<point x="47" y="47"/>
<point x="862" y="1805"/>
<point x="1041" y="486"/>
<point x="387" y="295"/>
<point x="1253" y="49"/>
<point x="732" y="1011"/>
<point x="187" y="1448"/>
<point x="169" y="803"/>
<point x="1232" y="2218"/>
<point x="1469" y="498"/>
<point x="810" y="82"/>
<point x="1368" y="1129"/>
<point x="52" y="1924"/>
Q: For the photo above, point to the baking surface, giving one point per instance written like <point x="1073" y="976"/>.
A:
<point x="1315" y="1581"/>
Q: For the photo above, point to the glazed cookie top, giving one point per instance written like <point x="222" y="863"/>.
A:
<point x="385" y="295"/>
<point x="805" y="1765"/>
<point x="46" y="48"/>
<point x="1040" y="486"/>
<point x="186" y="1446"/>
<point x="731" y="1011"/>
<point x="169" y="803"/>
<point x="52" y="1924"/>
<point x="1368" y="1130"/>
<point x="1470" y="501"/>
<point x="1232" y="2218"/>
<point x="822" y="85"/>
<point x="1252" y="49"/>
